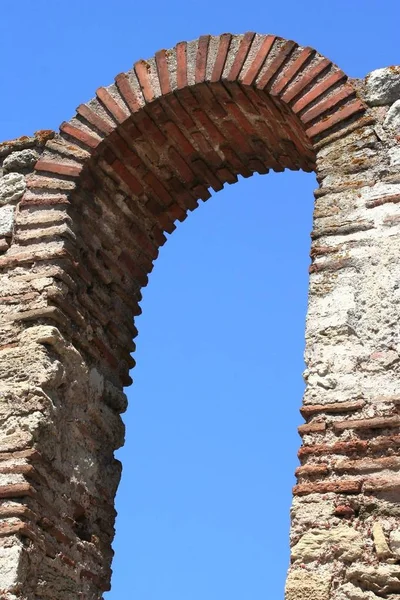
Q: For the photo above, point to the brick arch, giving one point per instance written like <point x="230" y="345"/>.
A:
<point x="151" y="145"/>
<point x="102" y="197"/>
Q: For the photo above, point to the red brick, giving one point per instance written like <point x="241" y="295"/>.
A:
<point x="311" y="428"/>
<point x="91" y="140"/>
<point x="127" y="92"/>
<point x="338" y="407"/>
<point x="325" y="487"/>
<point x="284" y="52"/>
<point x="163" y="72"/>
<point x="252" y="72"/>
<point x="241" y="56"/>
<point x="306" y="78"/>
<point x="181" y="165"/>
<point x="17" y="490"/>
<point x="209" y="179"/>
<point x="318" y="90"/>
<point x="119" y="113"/>
<point x="179" y="112"/>
<point x="356" y="446"/>
<point x="127" y="177"/>
<point x="223" y="48"/>
<point x="374" y="423"/>
<point x="312" y="470"/>
<point x="210" y="128"/>
<point x="93" y="118"/>
<point x="58" y="168"/>
<point x="201" y="58"/>
<point x="327" y="104"/>
<point x="142" y="69"/>
<point x="345" y="112"/>
<point x="158" y="188"/>
<point x="183" y="143"/>
<point x="181" y="66"/>
<point x="342" y="510"/>
<point x="290" y="72"/>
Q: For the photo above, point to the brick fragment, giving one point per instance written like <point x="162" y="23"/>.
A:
<point x="163" y="72"/>
<point x="119" y="113"/>
<point x="252" y="72"/>
<point x="311" y="428"/>
<point x="338" y="407"/>
<point x="201" y="58"/>
<point x="58" y="168"/>
<point x="89" y="139"/>
<point x="351" y="486"/>
<point x="241" y="55"/>
<point x="282" y="55"/>
<point x="353" y="108"/>
<point x="306" y="78"/>
<point x="94" y="119"/>
<point x="181" y="67"/>
<point x="142" y="70"/>
<point x="287" y="74"/>
<point x="223" y="48"/>
<point x="374" y="423"/>
<point x="127" y="92"/>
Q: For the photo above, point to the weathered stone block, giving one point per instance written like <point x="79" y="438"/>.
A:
<point x="6" y="220"/>
<point x="12" y="187"/>
<point x="340" y="541"/>
<point x="20" y="161"/>
<point x="303" y="585"/>
<point x="383" y="86"/>
<point x="392" y="120"/>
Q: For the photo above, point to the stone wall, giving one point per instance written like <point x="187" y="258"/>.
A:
<point x="83" y="213"/>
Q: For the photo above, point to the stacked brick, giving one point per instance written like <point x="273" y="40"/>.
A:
<point x="92" y="207"/>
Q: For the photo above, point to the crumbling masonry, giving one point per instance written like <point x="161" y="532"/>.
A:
<point x="83" y="213"/>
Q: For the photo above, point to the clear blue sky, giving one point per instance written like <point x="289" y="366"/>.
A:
<point x="211" y="429"/>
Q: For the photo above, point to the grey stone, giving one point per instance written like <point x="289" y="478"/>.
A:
<point x="12" y="187"/>
<point x="383" y="86"/>
<point x="20" y="161"/>
<point x="6" y="220"/>
<point x="392" y="120"/>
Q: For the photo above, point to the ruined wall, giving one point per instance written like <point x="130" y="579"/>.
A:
<point x="83" y="213"/>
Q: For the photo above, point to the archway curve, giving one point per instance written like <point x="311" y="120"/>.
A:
<point x="149" y="146"/>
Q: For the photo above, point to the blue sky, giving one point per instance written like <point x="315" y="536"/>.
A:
<point x="211" y="428"/>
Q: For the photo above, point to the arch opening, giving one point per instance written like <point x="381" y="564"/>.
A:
<point x="204" y="500"/>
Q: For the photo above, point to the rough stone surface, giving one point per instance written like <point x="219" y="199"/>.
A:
<point x="20" y="161"/>
<point x="384" y="579"/>
<point x="6" y="220"/>
<point x="351" y="592"/>
<point x="383" y="86"/>
<point x="12" y="187"/>
<point x="395" y="542"/>
<point x="341" y="541"/>
<point x="90" y="217"/>
<point x="392" y="120"/>
<point x="304" y="585"/>
<point x="381" y="545"/>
